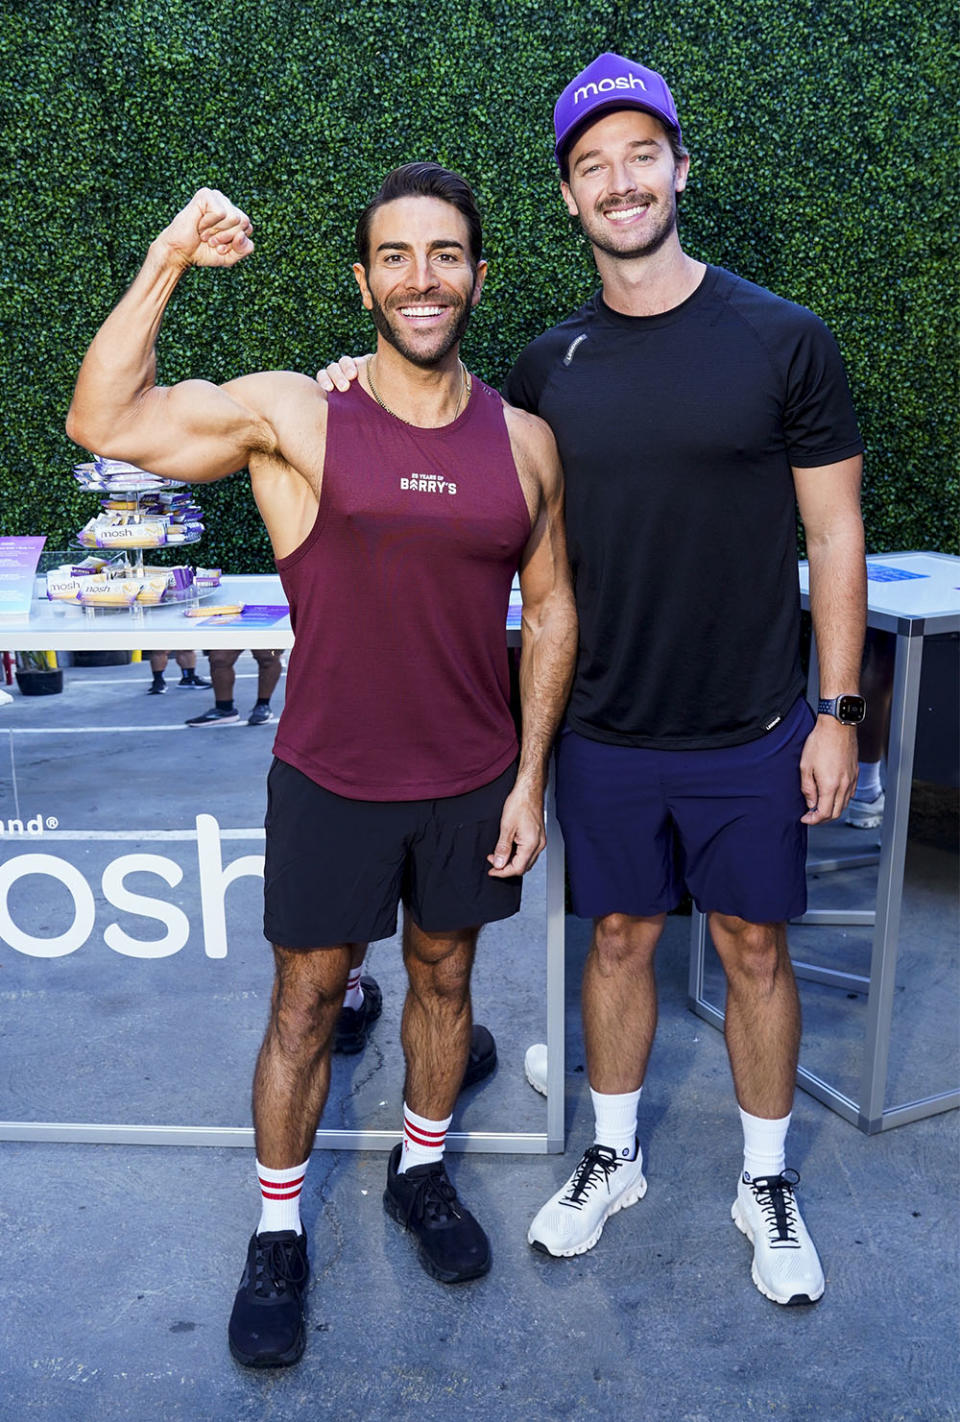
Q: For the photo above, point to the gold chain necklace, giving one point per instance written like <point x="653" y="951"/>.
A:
<point x="464" y="389"/>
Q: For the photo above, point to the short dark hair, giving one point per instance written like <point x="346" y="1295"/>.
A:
<point x="676" y="148"/>
<point x="422" y="180"/>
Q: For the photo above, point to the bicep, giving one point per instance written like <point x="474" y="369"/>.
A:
<point x="828" y="497"/>
<point x="196" y="431"/>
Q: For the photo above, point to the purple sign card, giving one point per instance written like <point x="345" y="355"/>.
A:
<point x="18" y="567"/>
<point x="253" y="615"/>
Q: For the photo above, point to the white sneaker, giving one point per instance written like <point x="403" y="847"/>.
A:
<point x="7" y="700"/>
<point x="572" y="1221"/>
<point x="865" y="814"/>
<point x="786" y="1267"/>
<point x="535" y="1067"/>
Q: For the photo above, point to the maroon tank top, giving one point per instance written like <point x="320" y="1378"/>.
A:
<point x="398" y="683"/>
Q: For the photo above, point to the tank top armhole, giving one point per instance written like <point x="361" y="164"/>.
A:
<point x="529" y="522"/>
<point x="289" y="561"/>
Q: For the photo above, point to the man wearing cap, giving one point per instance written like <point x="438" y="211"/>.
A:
<point x="693" y="412"/>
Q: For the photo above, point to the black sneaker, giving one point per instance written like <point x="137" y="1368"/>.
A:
<point x="266" y="1325"/>
<point x="215" y="717"/>
<point x="354" y="1023"/>
<point x="260" y="715"/>
<point x="157" y="689"/>
<point x="450" y="1243"/>
<point x="483" y="1056"/>
<point x="194" y="683"/>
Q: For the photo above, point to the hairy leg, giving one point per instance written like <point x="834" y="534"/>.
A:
<point x="619" y="999"/>
<point x="292" y="1078"/>
<point x="437" y="1018"/>
<point x="762" y="1028"/>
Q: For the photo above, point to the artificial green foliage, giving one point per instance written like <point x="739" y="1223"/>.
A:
<point x="823" y="140"/>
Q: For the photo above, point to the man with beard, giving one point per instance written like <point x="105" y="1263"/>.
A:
<point x="398" y="513"/>
<point x="693" y="412"/>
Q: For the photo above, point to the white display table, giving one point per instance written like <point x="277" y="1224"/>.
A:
<point x="913" y="596"/>
<point x="61" y="627"/>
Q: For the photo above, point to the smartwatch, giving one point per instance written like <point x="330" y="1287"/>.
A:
<point x="849" y="710"/>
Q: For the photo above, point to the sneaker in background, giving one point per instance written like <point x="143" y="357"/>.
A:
<point x="865" y="814"/>
<point x="260" y="715"/>
<point x="354" y="1023"/>
<point x="215" y="717"/>
<point x="483" y="1056"/>
<point x="535" y="1067"/>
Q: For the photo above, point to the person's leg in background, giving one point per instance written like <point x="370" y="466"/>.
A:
<point x="223" y="712"/>
<point x="189" y="681"/>
<point x="865" y="810"/>
<point x="269" y="667"/>
<point x="158" y="665"/>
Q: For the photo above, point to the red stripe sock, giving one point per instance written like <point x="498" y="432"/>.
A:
<point x="280" y="1198"/>
<point x="423" y="1139"/>
<point x="353" y="997"/>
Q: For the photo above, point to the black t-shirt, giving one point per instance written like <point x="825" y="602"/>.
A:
<point x="677" y="434"/>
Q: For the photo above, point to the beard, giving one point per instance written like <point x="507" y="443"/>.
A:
<point x="654" y="235"/>
<point x="417" y="356"/>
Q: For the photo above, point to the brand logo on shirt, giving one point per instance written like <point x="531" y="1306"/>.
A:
<point x="622" y="81"/>
<point x="427" y="484"/>
<point x="572" y="348"/>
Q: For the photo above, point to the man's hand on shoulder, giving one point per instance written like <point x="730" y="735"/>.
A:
<point x="340" y="374"/>
<point x="210" y="231"/>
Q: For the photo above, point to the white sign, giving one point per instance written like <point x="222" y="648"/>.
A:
<point x="215" y="879"/>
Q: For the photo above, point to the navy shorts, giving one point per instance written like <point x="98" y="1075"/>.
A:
<point x="335" y="869"/>
<point x="641" y="825"/>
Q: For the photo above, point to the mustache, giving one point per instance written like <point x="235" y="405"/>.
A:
<point x="634" y="199"/>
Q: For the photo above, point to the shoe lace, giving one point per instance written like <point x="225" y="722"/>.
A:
<point x="596" y="1166"/>
<point x="774" y="1195"/>
<point x="434" y="1200"/>
<point x="278" y="1263"/>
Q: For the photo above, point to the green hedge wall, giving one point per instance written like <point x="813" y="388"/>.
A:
<point x="823" y="139"/>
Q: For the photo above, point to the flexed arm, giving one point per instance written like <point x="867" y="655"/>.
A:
<point x="195" y="430"/>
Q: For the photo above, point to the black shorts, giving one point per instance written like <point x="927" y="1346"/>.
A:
<point x="336" y="869"/>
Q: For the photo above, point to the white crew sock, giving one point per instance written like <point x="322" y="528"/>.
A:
<point x="423" y="1140"/>
<point x="280" y="1198"/>
<point x="868" y="780"/>
<point x="764" y="1142"/>
<point x="615" y="1118"/>
<point x="353" y="997"/>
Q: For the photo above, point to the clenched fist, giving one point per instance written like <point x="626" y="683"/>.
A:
<point x="209" y="232"/>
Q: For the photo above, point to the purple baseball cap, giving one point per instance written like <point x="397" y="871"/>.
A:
<point x="611" y="82"/>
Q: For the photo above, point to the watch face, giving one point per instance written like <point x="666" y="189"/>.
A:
<point x="851" y="710"/>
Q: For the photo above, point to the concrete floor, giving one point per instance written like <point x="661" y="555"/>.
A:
<point x="120" y="1262"/>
